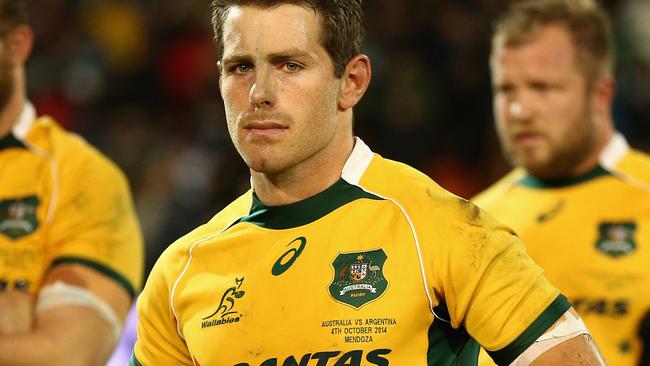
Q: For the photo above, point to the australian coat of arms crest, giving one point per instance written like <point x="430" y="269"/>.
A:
<point x="616" y="239"/>
<point x="18" y="216"/>
<point x="358" y="277"/>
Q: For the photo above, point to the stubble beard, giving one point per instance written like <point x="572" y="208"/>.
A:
<point x="564" y="155"/>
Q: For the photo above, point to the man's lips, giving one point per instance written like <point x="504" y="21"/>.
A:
<point x="525" y="139"/>
<point x="265" y="128"/>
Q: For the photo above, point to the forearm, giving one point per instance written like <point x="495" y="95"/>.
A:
<point x="85" y="340"/>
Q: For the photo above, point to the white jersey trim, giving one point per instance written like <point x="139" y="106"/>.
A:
<point x="25" y="121"/>
<point x="614" y="151"/>
<point x="357" y="162"/>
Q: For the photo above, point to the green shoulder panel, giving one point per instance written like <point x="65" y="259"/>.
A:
<point x="449" y="346"/>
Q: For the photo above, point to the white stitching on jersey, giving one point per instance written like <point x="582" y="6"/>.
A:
<point x="634" y="182"/>
<point x="417" y="245"/>
<point x="187" y="265"/>
<point x="55" y="179"/>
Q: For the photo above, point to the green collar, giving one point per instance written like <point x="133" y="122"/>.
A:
<point x="307" y="210"/>
<point x="534" y="182"/>
<point x="9" y="140"/>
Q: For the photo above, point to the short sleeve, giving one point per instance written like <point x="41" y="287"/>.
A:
<point x="94" y="222"/>
<point x="495" y="291"/>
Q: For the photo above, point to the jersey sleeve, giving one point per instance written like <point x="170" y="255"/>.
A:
<point x="93" y="221"/>
<point x="494" y="290"/>
<point x="159" y="342"/>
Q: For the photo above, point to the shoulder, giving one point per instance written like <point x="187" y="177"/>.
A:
<point x="422" y="199"/>
<point x="398" y="181"/>
<point x="496" y="191"/>
<point x="636" y="165"/>
<point x="172" y="261"/>
<point x="75" y="159"/>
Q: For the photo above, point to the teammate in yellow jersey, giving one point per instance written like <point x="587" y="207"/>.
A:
<point x="337" y="256"/>
<point x="71" y="253"/>
<point x="579" y="197"/>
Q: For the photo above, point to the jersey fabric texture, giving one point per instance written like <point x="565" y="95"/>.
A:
<point x="591" y="235"/>
<point x="62" y="202"/>
<point x="382" y="268"/>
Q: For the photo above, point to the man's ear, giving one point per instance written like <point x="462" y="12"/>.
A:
<point x="20" y="42"/>
<point x="603" y="93"/>
<point x="354" y="81"/>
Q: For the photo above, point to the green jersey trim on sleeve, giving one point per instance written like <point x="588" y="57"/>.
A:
<point x="99" y="267"/>
<point x="449" y="346"/>
<point x="134" y="361"/>
<point x="307" y="210"/>
<point x="534" y="182"/>
<point x="545" y="320"/>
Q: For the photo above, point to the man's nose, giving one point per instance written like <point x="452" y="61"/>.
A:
<point x="262" y="92"/>
<point x="520" y="108"/>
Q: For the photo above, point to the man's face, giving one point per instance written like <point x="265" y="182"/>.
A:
<point x="542" y="104"/>
<point x="278" y="86"/>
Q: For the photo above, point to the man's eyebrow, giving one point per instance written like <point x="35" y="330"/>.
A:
<point x="236" y="59"/>
<point x="290" y="54"/>
<point x="276" y="57"/>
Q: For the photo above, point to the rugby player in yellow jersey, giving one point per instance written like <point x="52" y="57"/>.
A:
<point x="337" y="256"/>
<point x="579" y="196"/>
<point x="70" y="246"/>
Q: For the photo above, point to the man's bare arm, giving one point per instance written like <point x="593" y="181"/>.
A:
<point x="577" y="351"/>
<point x="566" y="343"/>
<point x="67" y="334"/>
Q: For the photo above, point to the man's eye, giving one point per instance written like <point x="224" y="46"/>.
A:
<point x="292" y="66"/>
<point x="541" y="87"/>
<point x="504" y="89"/>
<point x="241" y="68"/>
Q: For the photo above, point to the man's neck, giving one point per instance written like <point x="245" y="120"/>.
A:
<point x="10" y="113"/>
<point x="593" y="159"/>
<point x="306" y="179"/>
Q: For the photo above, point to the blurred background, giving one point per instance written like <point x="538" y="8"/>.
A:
<point x="138" y="79"/>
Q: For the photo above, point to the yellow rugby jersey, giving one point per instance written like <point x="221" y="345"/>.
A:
<point x="354" y="275"/>
<point x="61" y="201"/>
<point x="591" y="235"/>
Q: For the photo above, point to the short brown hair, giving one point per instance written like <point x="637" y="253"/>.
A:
<point x="586" y="21"/>
<point x="342" y="29"/>
<point x="12" y="13"/>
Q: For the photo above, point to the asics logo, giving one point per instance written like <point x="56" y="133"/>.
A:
<point x="287" y="259"/>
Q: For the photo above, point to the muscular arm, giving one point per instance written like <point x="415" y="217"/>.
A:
<point x="567" y="342"/>
<point x="68" y="334"/>
<point x="577" y="351"/>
